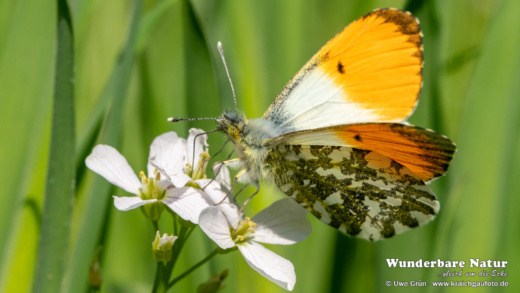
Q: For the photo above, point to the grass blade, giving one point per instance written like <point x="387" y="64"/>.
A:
<point x="91" y="224"/>
<point x="57" y="210"/>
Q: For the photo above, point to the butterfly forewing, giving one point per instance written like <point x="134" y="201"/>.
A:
<point x="359" y="192"/>
<point x="369" y="72"/>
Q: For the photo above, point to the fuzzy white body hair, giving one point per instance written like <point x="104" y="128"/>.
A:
<point x="248" y="140"/>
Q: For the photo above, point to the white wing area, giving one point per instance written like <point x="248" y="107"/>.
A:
<point x="321" y="137"/>
<point x="317" y="102"/>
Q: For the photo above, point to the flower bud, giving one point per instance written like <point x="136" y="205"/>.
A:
<point x="213" y="284"/>
<point x="162" y="247"/>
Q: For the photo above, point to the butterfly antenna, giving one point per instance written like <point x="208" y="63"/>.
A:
<point x="173" y="119"/>
<point x="221" y="51"/>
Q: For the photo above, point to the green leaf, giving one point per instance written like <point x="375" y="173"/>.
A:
<point x="26" y="82"/>
<point x="60" y="185"/>
<point x="201" y="89"/>
<point x="150" y="22"/>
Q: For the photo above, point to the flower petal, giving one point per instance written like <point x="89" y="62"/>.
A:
<point x="187" y="202"/>
<point x="269" y="264"/>
<point x="231" y="213"/>
<point x="180" y="179"/>
<point x="109" y="163"/>
<point x="126" y="203"/>
<point x="164" y="184"/>
<point x="167" y="154"/>
<point x="213" y="222"/>
<point x="213" y="190"/>
<point x="194" y="147"/>
<point x="222" y="175"/>
<point x="283" y="222"/>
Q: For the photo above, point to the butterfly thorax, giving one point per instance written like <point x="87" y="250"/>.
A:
<point x="248" y="138"/>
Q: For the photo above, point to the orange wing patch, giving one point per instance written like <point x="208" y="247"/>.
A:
<point x="377" y="60"/>
<point x="426" y="153"/>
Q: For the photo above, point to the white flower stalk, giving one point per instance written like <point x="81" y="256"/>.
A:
<point x="283" y="222"/>
<point x="168" y="153"/>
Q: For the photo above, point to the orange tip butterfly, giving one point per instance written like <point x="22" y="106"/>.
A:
<point x="335" y="139"/>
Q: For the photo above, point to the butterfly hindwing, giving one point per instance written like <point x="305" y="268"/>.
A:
<point x="369" y="72"/>
<point x="359" y="192"/>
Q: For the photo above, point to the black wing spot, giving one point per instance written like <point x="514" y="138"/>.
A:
<point x="358" y="137"/>
<point x="341" y="68"/>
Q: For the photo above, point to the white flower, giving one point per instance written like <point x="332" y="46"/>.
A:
<point x="222" y="176"/>
<point x="184" y="163"/>
<point x="283" y="222"/>
<point x="168" y="152"/>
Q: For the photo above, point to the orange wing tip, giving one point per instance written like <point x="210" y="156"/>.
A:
<point x="377" y="61"/>
<point x="409" y="24"/>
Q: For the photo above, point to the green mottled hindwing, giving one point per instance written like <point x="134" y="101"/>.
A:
<point x="359" y="192"/>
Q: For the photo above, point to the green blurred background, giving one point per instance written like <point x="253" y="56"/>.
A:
<point x="134" y="68"/>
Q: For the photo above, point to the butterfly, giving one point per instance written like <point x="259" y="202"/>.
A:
<point x="335" y="139"/>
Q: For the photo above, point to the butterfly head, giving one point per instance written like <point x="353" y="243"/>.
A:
<point x="232" y="124"/>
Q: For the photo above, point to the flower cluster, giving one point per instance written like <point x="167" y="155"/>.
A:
<point x="176" y="176"/>
<point x="176" y="179"/>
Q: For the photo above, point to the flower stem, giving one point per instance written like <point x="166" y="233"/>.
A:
<point x="155" y="226"/>
<point x="175" y="224"/>
<point x="184" y="234"/>
<point x="159" y="284"/>
<point x="194" y="267"/>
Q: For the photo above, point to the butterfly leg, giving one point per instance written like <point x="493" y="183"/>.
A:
<point x="241" y="189"/>
<point x="194" y="140"/>
<point x="222" y="148"/>
<point x="251" y="197"/>
<point x="242" y="172"/>
<point x="232" y="163"/>
<point x="220" y="167"/>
